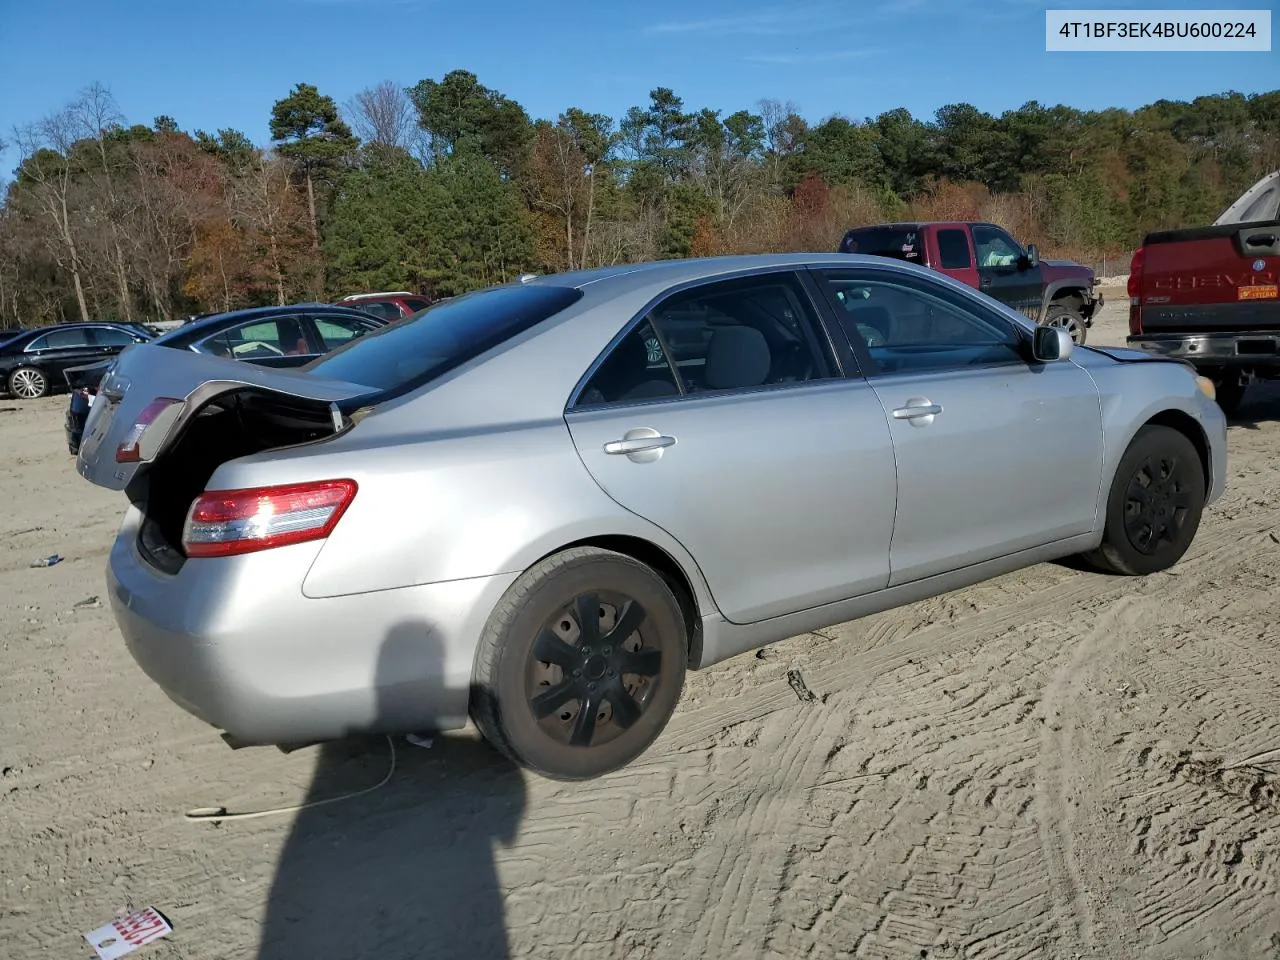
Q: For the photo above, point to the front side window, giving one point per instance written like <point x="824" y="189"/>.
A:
<point x="909" y="327"/>
<point x="995" y="247"/>
<point x="337" y="331"/>
<point x="112" y="337"/>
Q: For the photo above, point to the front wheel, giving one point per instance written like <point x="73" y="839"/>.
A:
<point x="1154" y="507"/>
<point x="581" y="664"/>
<point x="1060" y="315"/>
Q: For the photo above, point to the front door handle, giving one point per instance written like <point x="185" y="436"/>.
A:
<point x="642" y="444"/>
<point x="919" y="411"/>
<point x="986" y="281"/>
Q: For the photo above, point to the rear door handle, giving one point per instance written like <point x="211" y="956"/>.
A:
<point x="919" y="411"/>
<point x="638" y="444"/>
<point x="986" y="281"/>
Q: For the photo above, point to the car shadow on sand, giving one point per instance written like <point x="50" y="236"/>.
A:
<point x="407" y="870"/>
<point x="1261" y="404"/>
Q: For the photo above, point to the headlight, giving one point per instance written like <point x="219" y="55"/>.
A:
<point x="1206" y="387"/>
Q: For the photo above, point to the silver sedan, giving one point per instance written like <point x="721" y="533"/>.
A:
<point x="538" y="505"/>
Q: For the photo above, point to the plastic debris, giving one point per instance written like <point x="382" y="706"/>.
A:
<point x="89" y="602"/>
<point x="126" y="934"/>
<point x="420" y="741"/>
<point x="796" y="679"/>
<point x="47" y="561"/>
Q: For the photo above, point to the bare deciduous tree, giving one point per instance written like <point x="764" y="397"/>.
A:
<point x="384" y="115"/>
<point x="46" y="173"/>
<point x="96" y="117"/>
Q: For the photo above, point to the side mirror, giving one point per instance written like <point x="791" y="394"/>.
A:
<point x="1050" y="344"/>
<point x="1033" y="255"/>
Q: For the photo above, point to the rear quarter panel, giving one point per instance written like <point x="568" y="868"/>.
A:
<point x="1131" y="394"/>
<point x="441" y="506"/>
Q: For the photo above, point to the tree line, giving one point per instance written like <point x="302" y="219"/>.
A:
<point x="450" y="185"/>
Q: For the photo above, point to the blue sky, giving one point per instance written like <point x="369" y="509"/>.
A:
<point x="222" y="64"/>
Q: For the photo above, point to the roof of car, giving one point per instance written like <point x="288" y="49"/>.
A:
<point x="665" y="273"/>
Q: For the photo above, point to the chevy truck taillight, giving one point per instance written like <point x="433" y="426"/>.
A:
<point x="226" y="523"/>
<point x="1135" y="274"/>
<point x="1134" y="288"/>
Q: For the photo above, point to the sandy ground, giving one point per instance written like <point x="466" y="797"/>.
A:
<point x="1036" y="767"/>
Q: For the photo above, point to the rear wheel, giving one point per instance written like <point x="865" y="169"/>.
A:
<point x="28" y="383"/>
<point x="1154" y="508"/>
<point x="1060" y="315"/>
<point x="581" y="664"/>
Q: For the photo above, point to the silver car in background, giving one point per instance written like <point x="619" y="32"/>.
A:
<point x="538" y="505"/>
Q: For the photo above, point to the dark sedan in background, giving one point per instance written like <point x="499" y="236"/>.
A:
<point x="288" y="336"/>
<point x="32" y="361"/>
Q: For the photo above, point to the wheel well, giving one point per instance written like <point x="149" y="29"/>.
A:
<point x="1071" y="297"/>
<point x="666" y="567"/>
<point x="1187" y="426"/>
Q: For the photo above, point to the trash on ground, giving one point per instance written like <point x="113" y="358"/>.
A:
<point x="89" y="602"/>
<point x="796" y="679"/>
<point x="47" y="561"/>
<point x="418" y="741"/>
<point x="128" y="933"/>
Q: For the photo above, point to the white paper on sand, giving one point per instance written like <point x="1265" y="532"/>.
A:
<point x="127" y="934"/>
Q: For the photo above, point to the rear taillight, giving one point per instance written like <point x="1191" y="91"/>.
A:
<point x="164" y="409"/>
<point x="1135" y="273"/>
<point x="224" y="523"/>
<point x="1135" y="291"/>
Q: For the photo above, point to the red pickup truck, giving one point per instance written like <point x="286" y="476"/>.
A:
<point x="1055" y="293"/>
<point x="1211" y="295"/>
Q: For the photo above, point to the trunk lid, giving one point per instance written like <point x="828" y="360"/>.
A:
<point x="144" y="373"/>
<point x="1259" y="203"/>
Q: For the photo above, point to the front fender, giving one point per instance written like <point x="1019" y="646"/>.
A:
<point x="1057" y="288"/>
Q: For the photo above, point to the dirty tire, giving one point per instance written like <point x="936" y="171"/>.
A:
<point x="572" y="703"/>
<point x="1154" y="507"/>
<point x="1229" y="392"/>
<point x="1060" y="315"/>
<point x="27" y="383"/>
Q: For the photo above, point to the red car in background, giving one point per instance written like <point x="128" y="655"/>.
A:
<point x="1054" y="293"/>
<point x="387" y="305"/>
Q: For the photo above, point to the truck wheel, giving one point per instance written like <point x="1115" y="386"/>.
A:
<point x="580" y="665"/>
<point x="1155" y="503"/>
<point x="1229" y="392"/>
<point x="1060" y="315"/>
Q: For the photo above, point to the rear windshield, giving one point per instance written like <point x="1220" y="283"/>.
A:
<point x="901" y="243"/>
<point x="428" y="343"/>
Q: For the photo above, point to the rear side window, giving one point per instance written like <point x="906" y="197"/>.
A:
<point x="410" y="353"/>
<point x="900" y="243"/>
<point x="60" y="340"/>
<point x="416" y="303"/>
<point x="953" y="250"/>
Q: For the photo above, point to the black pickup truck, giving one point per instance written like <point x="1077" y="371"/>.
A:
<point x="1211" y="295"/>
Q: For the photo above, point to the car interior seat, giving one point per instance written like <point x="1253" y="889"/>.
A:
<point x="737" y="356"/>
